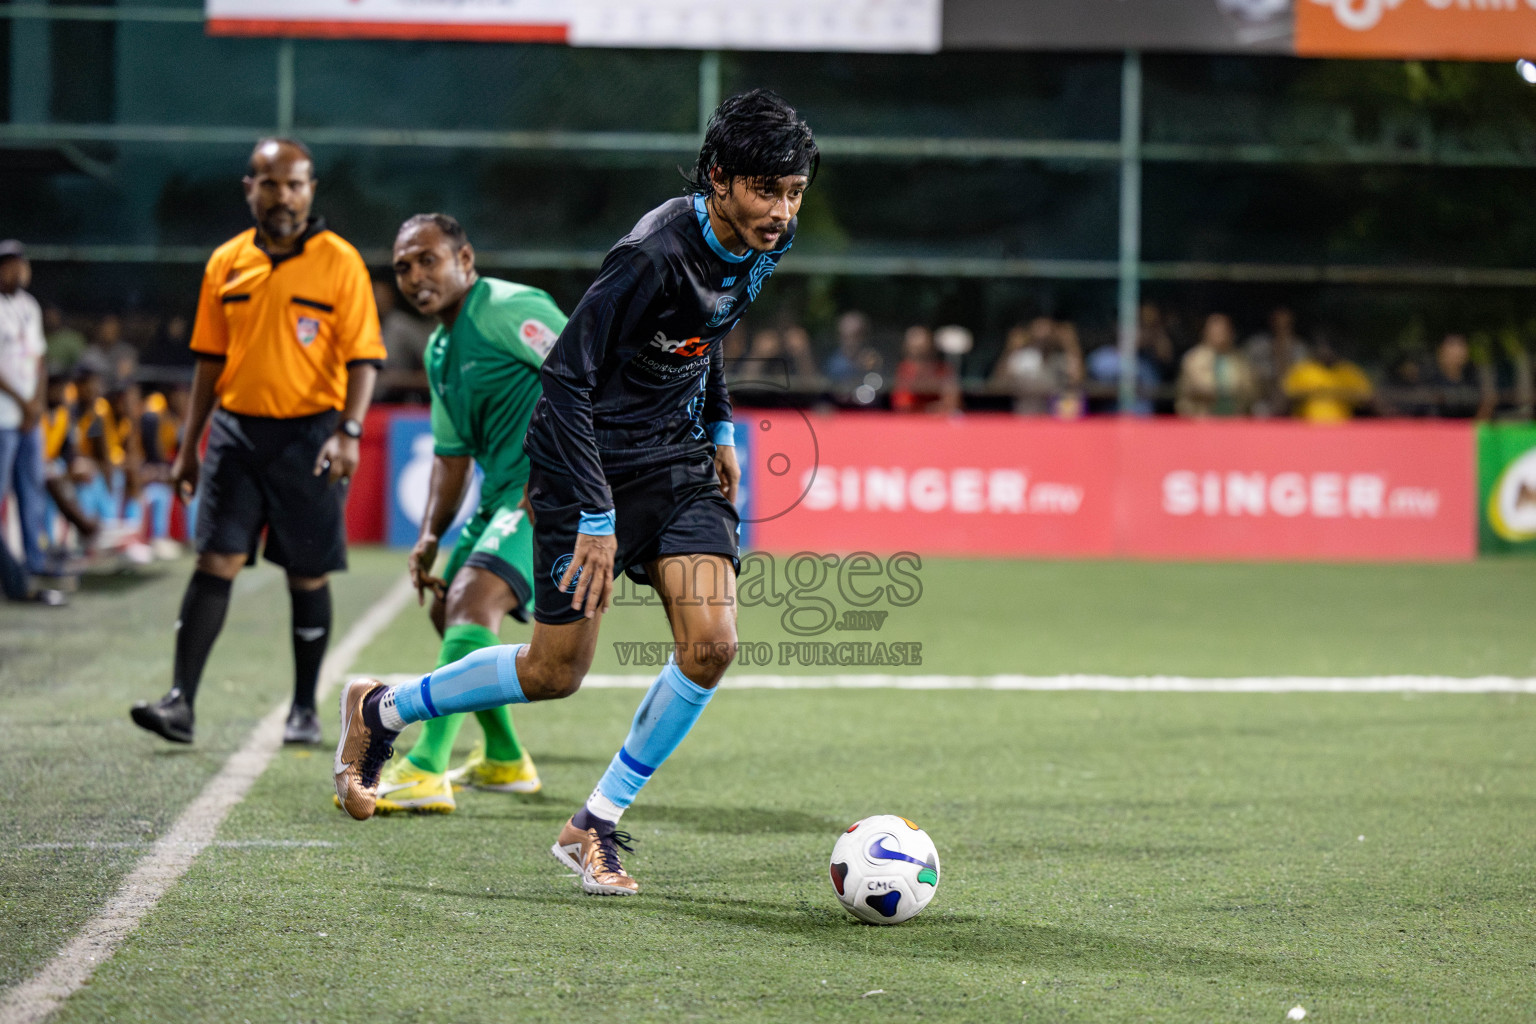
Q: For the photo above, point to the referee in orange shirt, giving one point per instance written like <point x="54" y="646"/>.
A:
<point x="287" y="344"/>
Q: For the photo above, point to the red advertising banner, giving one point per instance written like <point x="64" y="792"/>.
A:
<point x="984" y="485"/>
<point x="366" y="498"/>
<point x="977" y="485"/>
<point x="1359" y="491"/>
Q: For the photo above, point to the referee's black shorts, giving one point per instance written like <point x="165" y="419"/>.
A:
<point x="259" y="474"/>
<point x="671" y="509"/>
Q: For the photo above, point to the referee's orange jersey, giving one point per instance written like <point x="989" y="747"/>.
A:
<point x="286" y="326"/>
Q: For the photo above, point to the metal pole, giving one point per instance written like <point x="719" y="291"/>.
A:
<point x="285" y="87"/>
<point x="1130" y="224"/>
<point x="709" y="86"/>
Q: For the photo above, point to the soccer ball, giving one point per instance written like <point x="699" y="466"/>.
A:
<point x="884" y="869"/>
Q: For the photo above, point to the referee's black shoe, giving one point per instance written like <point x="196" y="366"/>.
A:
<point x="303" y="726"/>
<point x="170" y="716"/>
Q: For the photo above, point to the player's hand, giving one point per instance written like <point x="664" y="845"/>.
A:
<point x="591" y="569"/>
<point x="339" y="456"/>
<point x="185" y="472"/>
<point x="423" y="558"/>
<point x="729" y="471"/>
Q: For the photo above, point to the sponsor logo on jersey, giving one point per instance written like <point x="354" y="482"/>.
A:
<point x="723" y="307"/>
<point x="689" y="347"/>
<point x="558" y="573"/>
<point x="538" y="336"/>
<point x="308" y="330"/>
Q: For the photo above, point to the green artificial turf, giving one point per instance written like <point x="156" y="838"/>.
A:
<point x="1138" y="618"/>
<point x="77" y="771"/>
<point x="1106" y="857"/>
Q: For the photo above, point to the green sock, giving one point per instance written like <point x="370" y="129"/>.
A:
<point x="500" y="737"/>
<point x="435" y="746"/>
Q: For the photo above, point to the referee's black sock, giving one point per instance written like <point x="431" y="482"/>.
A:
<point x="311" y="635"/>
<point x="202" y="616"/>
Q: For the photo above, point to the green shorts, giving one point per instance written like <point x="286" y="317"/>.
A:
<point x="499" y="539"/>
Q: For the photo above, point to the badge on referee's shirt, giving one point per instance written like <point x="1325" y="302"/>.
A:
<point x="309" y="329"/>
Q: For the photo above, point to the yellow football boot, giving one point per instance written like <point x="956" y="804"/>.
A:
<point x="405" y="787"/>
<point x="480" y="772"/>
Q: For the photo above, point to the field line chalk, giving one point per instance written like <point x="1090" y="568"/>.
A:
<point x="1118" y="684"/>
<point x="34" y="1000"/>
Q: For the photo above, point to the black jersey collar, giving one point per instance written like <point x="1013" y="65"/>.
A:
<point x="315" y="226"/>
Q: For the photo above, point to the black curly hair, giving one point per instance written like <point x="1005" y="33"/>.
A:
<point x="755" y="135"/>
<point x="452" y="230"/>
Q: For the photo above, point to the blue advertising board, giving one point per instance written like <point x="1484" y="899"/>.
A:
<point x="410" y="474"/>
<point x="744" y="491"/>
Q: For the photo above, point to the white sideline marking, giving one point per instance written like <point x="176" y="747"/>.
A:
<point x="1122" y="684"/>
<point x="173" y="853"/>
<point x="230" y="844"/>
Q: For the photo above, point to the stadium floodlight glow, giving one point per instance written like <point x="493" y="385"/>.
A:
<point x="1527" y="70"/>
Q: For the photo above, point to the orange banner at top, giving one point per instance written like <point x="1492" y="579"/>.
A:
<point x="1437" y="29"/>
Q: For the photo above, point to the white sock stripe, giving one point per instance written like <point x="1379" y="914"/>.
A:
<point x="603" y="807"/>
<point x="389" y="714"/>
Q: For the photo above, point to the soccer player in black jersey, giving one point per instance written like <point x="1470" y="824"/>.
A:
<point x="634" y="470"/>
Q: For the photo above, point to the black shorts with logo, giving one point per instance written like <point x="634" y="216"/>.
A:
<point x="673" y="509"/>
<point x="259" y="474"/>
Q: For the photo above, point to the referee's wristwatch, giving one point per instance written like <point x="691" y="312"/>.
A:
<point x="352" y="429"/>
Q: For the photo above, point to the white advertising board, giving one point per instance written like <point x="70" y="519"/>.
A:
<point x="911" y="26"/>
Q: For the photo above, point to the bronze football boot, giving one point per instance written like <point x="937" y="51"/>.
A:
<point x="594" y="856"/>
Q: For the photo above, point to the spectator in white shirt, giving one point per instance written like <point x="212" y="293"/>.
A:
<point x="23" y="386"/>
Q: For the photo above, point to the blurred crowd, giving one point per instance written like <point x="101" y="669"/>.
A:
<point x="1040" y="366"/>
<point x="1043" y="368"/>
<point x="108" y="445"/>
<point x="107" y="429"/>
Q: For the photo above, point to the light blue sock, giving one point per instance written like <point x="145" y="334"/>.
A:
<point x="479" y="681"/>
<point x="671" y="706"/>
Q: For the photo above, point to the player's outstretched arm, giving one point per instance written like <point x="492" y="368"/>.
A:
<point x="445" y="492"/>
<point x="626" y="286"/>
<point x="717" y="421"/>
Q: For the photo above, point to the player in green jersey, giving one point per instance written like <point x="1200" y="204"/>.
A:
<point x="483" y="370"/>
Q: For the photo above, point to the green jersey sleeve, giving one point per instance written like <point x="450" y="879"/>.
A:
<point x="445" y="439"/>
<point x="530" y="325"/>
